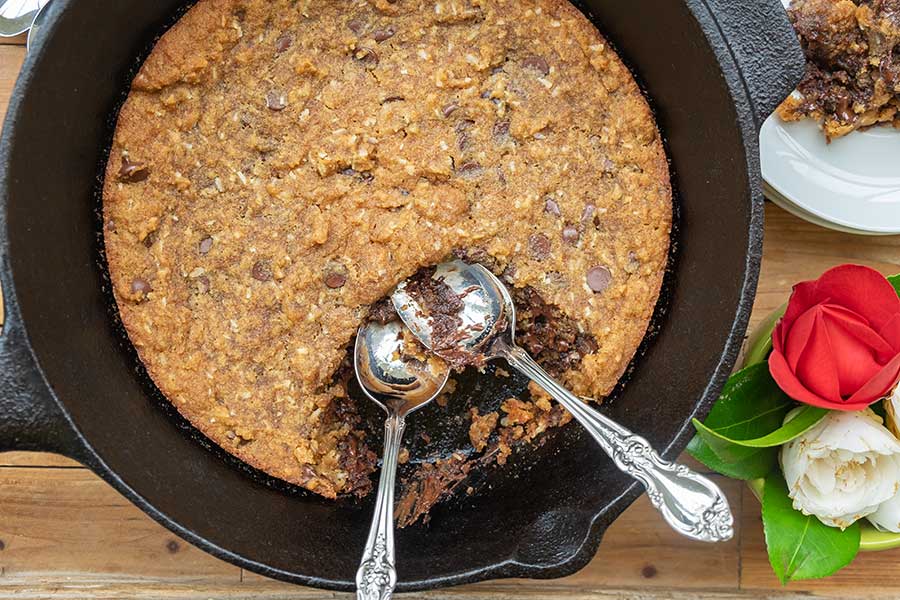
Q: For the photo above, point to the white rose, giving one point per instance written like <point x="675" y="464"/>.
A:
<point x="842" y="469"/>
<point x="887" y="517"/>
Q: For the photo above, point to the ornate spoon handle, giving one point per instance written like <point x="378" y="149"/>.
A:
<point x="377" y="576"/>
<point x="692" y="504"/>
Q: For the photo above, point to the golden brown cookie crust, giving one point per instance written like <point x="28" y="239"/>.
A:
<point x="279" y="166"/>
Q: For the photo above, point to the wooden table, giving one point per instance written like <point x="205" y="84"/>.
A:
<point x="65" y="533"/>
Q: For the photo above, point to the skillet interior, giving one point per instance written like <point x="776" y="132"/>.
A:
<point x="62" y="122"/>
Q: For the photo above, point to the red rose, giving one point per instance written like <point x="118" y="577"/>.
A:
<point x="838" y="344"/>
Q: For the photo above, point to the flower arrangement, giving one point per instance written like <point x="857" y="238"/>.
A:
<point x="812" y="421"/>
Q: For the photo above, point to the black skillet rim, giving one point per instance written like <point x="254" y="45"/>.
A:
<point x="508" y="568"/>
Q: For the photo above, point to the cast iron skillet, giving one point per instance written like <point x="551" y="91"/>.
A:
<point x="714" y="70"/>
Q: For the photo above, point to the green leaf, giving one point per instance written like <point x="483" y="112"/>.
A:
<point x="895" y="281"/>
<point x="755" y="465"/>
<point x="804" y="420"/>
<point x="751" y="405"/>
<point x="802" y="547"/>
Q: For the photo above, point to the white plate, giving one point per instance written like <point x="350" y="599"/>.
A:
<point x="853" y="183"/>
<point x="795" y="210"/>
<point x="16" y="16"/>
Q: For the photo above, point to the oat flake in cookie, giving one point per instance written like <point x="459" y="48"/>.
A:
<point x="280" y="166"/>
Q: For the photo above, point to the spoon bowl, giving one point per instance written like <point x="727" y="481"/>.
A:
<point x="479" y="322"/>
<point x="396" y="381"/>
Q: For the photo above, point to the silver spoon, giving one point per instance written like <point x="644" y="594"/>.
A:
<point x="689" y="502"/>
<point x="400" y="385"/>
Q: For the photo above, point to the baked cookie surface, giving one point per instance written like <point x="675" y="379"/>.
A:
<point x="279" y="166"/>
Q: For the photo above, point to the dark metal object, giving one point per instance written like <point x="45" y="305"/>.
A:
<point x="71" y="383"/>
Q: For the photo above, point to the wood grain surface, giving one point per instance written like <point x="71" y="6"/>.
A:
<point x="64" y="533"/>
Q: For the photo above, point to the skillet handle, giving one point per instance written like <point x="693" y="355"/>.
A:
<point x="765" y="46"/>
<point x="30" y="417"/>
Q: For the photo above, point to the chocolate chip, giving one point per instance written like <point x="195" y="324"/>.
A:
<point x="538" y="64"/>
<point x="462" y="137"/>
<point x="551" y="207"/>
<point x="366" y="57"/>
<point x="464" y="125"/>
<point x="449" y="109"/>
<point x="140" y="286"/>
<point x="462" y="140"/>
<point x="133" y="172"/>
<point x="501" y="129"/>
<point x="356" y="25"/>
<point x="390" y="99"/>
<point x="599" y="279"/>
<point x="261" y="271"/>
<point x="335" y="280"/>
<point x="539" y="246"/>
<point x="111" y="225"/>
<point x="150" y="239"/>
<point x="206" y="245"/>
<point x="380" y="35"/>
<point x="570" y="234"/>
<point x="276" y="101"/>
<point x="469" y="169"/>
<point x="283" y="43"/>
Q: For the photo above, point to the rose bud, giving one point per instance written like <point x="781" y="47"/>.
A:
<point x="838" y="344"/>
